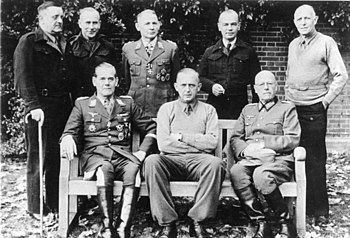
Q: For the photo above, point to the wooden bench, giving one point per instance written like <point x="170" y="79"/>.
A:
<point x="72" y="185"/>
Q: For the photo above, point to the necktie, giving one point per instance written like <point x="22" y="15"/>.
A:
<point x="108" y="105"/>
<point x="188" y="110"/>
<point x="228" y="47"/>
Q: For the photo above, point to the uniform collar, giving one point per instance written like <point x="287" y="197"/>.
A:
<point x="267" y="106"/>
<point x="151" y="43"/>
<point x="220" y="44"/>
<point x="226" y="42"/>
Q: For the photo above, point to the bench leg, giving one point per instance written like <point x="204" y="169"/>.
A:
<point x="73" y="207"/>
<point x="300" y="210"/>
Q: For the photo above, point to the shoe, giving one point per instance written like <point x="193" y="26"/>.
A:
<point x="168" y="231"/>
<point x="36" y="216"/>
<point x="320" y="220"/>
<point x="198" y="231"/>
<point x="288" y="230"/>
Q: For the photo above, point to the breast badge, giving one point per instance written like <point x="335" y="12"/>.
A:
<point x="92" y="128"/>
<point x="119" y="127"/>
<point x="121" y="136"/>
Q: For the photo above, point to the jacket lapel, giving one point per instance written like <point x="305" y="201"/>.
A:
<point x="94" y="48"/>
<point x="140" y="50"/>
<point x="158" y="50"/>
<point x="99" y="108"/>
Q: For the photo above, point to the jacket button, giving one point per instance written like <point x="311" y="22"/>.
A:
<point x="147" y="78"/>
<point x="147" y="85"/>
<point x="109" y="144"/>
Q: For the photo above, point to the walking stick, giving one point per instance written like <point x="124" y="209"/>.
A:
<point x="41" y="172"/>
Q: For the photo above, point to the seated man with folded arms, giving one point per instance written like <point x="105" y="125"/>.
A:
<point x="103" y="123"/>
<point x="187" y="135"/>
<point x="263" y="141"/>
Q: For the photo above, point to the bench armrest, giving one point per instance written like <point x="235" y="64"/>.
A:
<point x="300" y="156"/>
<point x="69" y="168"/>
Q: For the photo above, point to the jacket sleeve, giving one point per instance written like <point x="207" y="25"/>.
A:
<point x="291" y="133"/>
<point x="254" y="69"/>
<point x="126" y="78"/>
<point x="207" y="83"/>
<point x="75" y="125"/>
<point x="24" y="72"/>
<point x="237" y="140"/>
<point x="175" y="62"/>
<point x="146" y="126"/>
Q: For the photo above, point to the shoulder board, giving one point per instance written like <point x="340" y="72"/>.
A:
<point x="128" y="43"/>
<point x="82" y="98"/>
<point x="125" y="96"/>
<point x="288" y="102"/>
<point x="29" y="34"/>
<point x="252" y="104"/>
<point x="171" y="42"/>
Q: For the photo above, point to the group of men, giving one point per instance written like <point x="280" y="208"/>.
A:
<point x="51" y="73"/>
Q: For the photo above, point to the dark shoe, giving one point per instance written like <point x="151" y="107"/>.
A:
<point x="168" y="231"/>
<point x="127" y="203"/>
<point x="288" y="230"/>
<point x="251" y="204"/>
<point x="264" y="230"/>
<point x="321" y="220"/>
<point x="198" y="231"/>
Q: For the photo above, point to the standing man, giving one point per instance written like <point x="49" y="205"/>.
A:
<point x="41" y="66"/>
<point x="90" y="49"/>
<point x="150" y="65"/>
<point x="103" y="123"/>
<point x="313" y="59"/>
<point x="187" y="135"/>
<point x="263" y="141"/>
<point x="227" y="67"/>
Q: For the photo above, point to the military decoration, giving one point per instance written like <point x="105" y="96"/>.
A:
<point x="93" y="103"/>
<point x="119" y="127"/>
<point x="121" y="136"/>
<point x="92" y="128"/>
<point x="149" y="68"/>
<point x="163" y="75"/>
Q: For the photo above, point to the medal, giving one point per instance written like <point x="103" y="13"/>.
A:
<point x="109" y="124"/>
<point x="92" y="128"/>
<point x="120" y="136"/>
<point x="119" y="127"/>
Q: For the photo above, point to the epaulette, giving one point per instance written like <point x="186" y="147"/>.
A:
<point x="125" y="96"/>
<point x="284" y="101"/>
<point x="252" y="104"/>
<point x="82" y="98"/>
<point x="171" y="42"/>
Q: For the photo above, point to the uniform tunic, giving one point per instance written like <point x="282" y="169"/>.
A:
<point x="150" y="79"/>
<point x="102" y="134"/>
<point x="276" y="124"/>
<point x="42" y="78"/>
<point x="234" y="70"/>
<point x="189" y="159"/>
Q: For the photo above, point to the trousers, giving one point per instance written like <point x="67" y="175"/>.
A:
<point x="313" y="122"/>
<point x="56" y="112"/>
<point x="159" y="170"/>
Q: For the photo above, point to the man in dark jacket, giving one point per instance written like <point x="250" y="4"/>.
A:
<point x="90" y="49"/>
<point x="227" y="67"/>
<point x="103" y="124"/>
<point x="41" y="66"/>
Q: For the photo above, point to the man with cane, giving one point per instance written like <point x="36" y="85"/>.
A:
<point x="41" y="62"/>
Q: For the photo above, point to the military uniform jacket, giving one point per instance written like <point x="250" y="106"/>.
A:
<point x="150" y="79"/>
<point x="86" y="58"/>
<point x="102" y="134"/>
<point x="278" y="127"/>
<point x="234" y="70"/>
<point x="41" y="69"/>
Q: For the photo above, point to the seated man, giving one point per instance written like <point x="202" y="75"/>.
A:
<point x="187" y="135"/>
<point x="263" y="141"/>
<point x="103" y="123"/>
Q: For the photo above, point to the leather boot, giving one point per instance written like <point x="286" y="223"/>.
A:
<point x="128" y="201"/>
<point x="277" y="203"/>
<point x="168" y="231"/>
<point x="105" y="200"/>
<point x="254" y="210"/>
<point x="198" y="231"/>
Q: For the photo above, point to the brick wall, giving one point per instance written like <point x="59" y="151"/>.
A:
<point x="272" y="50"/>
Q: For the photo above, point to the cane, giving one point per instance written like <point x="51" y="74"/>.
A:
<point x="41" y="173"/>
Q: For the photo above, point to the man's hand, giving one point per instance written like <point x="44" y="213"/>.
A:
<point x="218" y="89"/>
<point x="140" y="155"/>
<point x="68" y="147"/>
<point x="176" y="136"/>
<point x="252" y="148"/>
<point x="37" y="115"/>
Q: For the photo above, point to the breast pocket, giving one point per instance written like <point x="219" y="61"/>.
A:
<point x="215" y="62"/>
<point x="248" y="123"/>
<point x="93" y="123"/>
<point x="135" y="67"/>
<point x="275" y="126"/>
<point x="239" y="62"/>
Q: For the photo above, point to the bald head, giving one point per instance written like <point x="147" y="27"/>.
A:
<point x="305" y="20"/>
<point x="265" y="86"/>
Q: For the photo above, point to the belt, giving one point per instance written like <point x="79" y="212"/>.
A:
<point x="306" y="87"/>
<point x="48" y="93"/>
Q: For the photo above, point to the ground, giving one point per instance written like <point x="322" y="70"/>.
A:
<point x="230" y="221"/>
